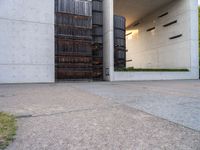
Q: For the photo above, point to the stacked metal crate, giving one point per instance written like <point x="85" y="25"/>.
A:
<point x="97" y="34"/>
<point x="120" y="41"/>
<point x="73" y="30"/>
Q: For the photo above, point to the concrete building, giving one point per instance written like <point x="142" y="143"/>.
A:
<point x="161" y="34"/>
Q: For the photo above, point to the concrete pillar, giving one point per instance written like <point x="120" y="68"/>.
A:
<point x="194" y="30"/>
<point x="108" y="32"/>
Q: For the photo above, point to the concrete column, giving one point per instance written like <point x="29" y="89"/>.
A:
<point x="194" y="27"/>
<point x="108" y="32"/>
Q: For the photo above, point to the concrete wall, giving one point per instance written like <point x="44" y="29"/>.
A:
<point x="26" y="41"/>
<point x="155" y="50"/>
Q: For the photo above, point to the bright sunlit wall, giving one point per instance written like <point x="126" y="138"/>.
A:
<point x="149" y="44"/>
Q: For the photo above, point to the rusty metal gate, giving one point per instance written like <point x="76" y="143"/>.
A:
<point x="97" y="35"/>
<point x="120" y="42"/>
<point x="79" y="40"/>
<point x="73" y="30"/>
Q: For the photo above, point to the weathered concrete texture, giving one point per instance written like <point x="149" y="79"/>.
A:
<point x="177" y="101"/>
<point x="107" y="128"/>
<point x="67" y="116"/>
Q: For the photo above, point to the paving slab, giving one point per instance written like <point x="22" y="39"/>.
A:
<point x="116" y="128"/>
<point x="176" y="101"/>
<point x="75" y="116"/>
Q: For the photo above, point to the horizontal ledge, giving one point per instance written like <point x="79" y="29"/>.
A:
<point x="151" y="70"/>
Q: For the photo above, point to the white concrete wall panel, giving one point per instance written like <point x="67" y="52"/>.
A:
<point x="26" y="73"/>
<point x="28" y="10"/>
<point x="155" y="50"/>
<point x="138" y="76"/>
<point x="26" y="41"/>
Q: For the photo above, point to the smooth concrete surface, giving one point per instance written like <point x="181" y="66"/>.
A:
<point x="103" y="115"/>
<point x="26" y="41"/>
<point x="176" y="101"/>
<point x="145" y="76"/>
<point x="108" y="41"/>
<point x="139" y="8"/>
<point x="154" y="49"/>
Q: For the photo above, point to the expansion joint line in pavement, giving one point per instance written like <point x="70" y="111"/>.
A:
<point x="64" y="112"/>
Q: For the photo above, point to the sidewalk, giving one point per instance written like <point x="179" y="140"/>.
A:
<point x="67" y="116"/>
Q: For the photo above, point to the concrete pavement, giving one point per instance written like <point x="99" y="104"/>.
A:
<point x="102" y="115"/>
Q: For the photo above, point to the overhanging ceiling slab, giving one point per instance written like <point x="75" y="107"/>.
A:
<point x="136" y="9"/>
